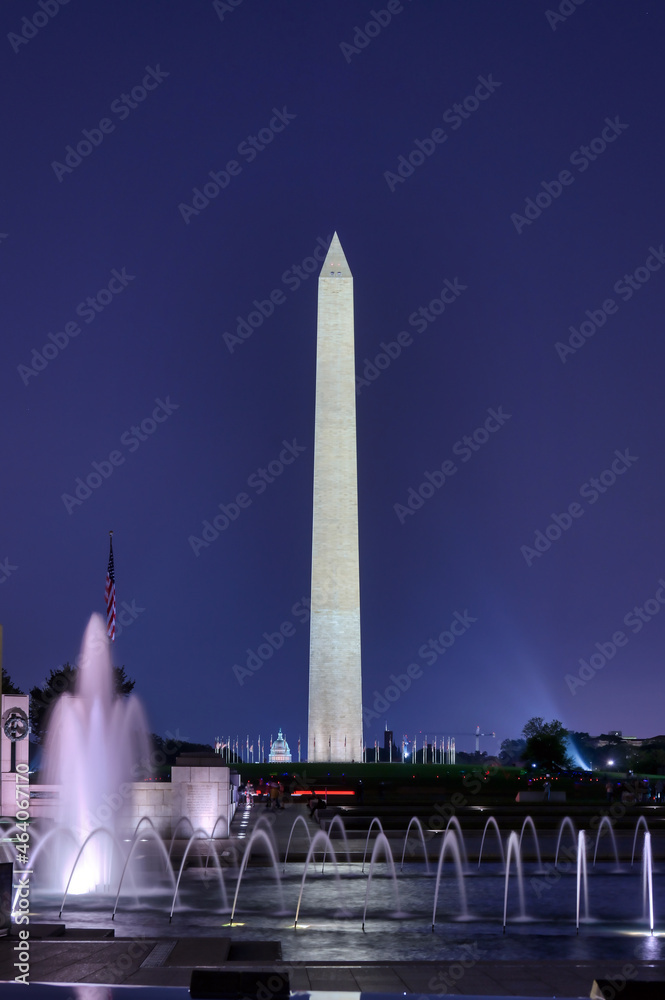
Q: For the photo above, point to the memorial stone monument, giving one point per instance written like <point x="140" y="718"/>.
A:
<point x="335" y="688"/>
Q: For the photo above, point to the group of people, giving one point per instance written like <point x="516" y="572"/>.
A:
<point x="640" y="791"/>
<point x="272" y="792"/>
<point x="246" y="793"/>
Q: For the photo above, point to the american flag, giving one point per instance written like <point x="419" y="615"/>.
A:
<point x="109" y="594"/>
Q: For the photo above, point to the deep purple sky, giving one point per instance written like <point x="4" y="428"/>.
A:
<point x="162" y="337"/>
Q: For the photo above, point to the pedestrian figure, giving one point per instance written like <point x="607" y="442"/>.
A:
<point x="314" y="803"/>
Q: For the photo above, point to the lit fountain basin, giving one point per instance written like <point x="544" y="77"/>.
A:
<point x="395" y="903"/>
<point x="385" y="908"/>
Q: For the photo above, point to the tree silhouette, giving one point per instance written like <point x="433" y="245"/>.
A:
<point x="546" y="743"/>
<point x="8" y="686"/>
<point x="43" y="699"/>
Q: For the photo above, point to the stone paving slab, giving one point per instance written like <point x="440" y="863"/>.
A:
<point x="46" y="930"/>
<point x="61" y="960"/>
<point x="299" y="980"/>
<point x="111" y="962"/>
<point x="381" y="981"/>
<point x="78" y="972"/>
<point x="159" y="977"/>
<point x="332" y="979"/>
<point x="200" y="953"/>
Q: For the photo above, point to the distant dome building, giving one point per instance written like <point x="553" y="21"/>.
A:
<point x="279" y="751"/>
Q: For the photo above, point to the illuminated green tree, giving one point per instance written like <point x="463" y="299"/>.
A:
<point x="546" y="745"/>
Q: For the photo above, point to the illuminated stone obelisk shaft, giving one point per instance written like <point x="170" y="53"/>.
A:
<point x="335" y="688"/>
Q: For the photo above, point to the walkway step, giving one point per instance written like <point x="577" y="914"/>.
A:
<point x="158" y="955"/>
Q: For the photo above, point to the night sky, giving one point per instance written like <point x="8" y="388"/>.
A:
<point x="498" y="161"/>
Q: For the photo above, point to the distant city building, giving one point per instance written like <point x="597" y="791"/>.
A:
<point x="390" y="752"/>
<point x="279" y="751"/>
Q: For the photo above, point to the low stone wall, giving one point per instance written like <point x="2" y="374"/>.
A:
<point x="140" y="798"/>
<point x="204" y="794"/>
<point x="152" y="799"/>
<point x="539" y="796"/>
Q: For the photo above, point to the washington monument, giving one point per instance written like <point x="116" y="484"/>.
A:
<point x="335" y="685"/>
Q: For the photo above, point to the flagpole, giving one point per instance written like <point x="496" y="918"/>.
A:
<point x="109" y="593"/>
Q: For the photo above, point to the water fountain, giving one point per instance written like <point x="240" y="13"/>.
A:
<point x="606" y="824"/>
<point x="326" y="845"/>
<point x="514" y="849"/>
<point x="582" y="881"/>
<point x="566" y="824"/>
<point x="640" y="823"/>
<point x="330" y="907"/>
<point x="491" y="822"/>
<point x="647" y="879"/>
<point x="381" y="846"/>
<point x="94" y="743"/>
<point x="451" y="845"/>
<point x="261" y="835"/>
<point x="528" y="824"/>
<point x="414" y="821"/>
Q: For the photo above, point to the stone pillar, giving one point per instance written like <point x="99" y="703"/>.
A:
<point x="202" y="792"/>
<point x="14" y="747"/>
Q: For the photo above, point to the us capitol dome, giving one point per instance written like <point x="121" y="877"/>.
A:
<point x="279" y="751"/>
